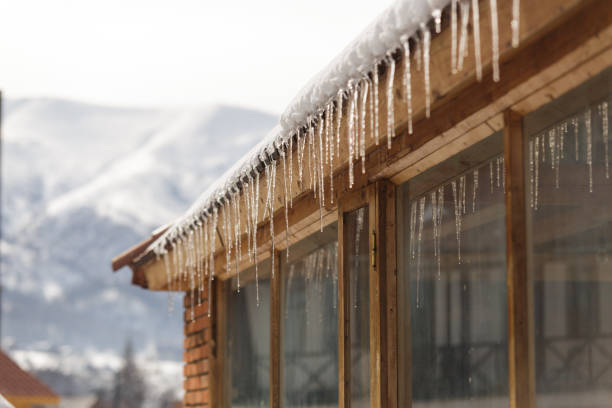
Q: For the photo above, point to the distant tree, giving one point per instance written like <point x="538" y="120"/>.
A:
<point x="130" y="388"/>
<point x="169" y="399"/>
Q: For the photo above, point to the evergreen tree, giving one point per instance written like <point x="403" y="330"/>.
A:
<point x="130" y="389"/>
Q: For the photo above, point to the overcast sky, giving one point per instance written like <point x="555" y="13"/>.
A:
<point x="173" y="53"/>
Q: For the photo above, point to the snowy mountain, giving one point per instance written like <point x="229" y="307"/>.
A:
<point x="82" y="183"/>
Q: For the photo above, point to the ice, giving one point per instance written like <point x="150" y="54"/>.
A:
<point x="589" y="145"/>
<point x="286" y="201"/>
<point x="376" y="103"/>
<point x="246" y="194"/>
<point x="491" y="174"/>
<point x="437" y="15"/>
<point x="498" y="163"/>
<point x="474" y="190"/>
<point x="419" y="242"/>
<point x="531" y="176"/>
<point x="426" y="52"/>
<point x="390" y="100"/>
<point x="457" y="193"/>
<point x="413" y="214"/>
<point x="213" y="239"/>
<point x="575" y="125"/>
<point x="339" y="101"/>
<point x="408" y="82"/>
<point x="321" y="174"/>
<point x="301" y="142"/>
<point x="364" y="99"/>
<point x="516" y="10"/>
<point x="537" y="171"/>
<point x="331" y="152"/>
<point x="603" y="112"/>
<point x="463" y="40"/>
<point x="351" y="129"/>
<point x="439" y="216"/>
<point x="271" y="204"/>
<point x="454" y="36"/>
<point x="476" y="33"/>
<point x="169" y="279"/>
<point x="255" y="208"/>
<point x="495" y="39"/>
<point x="290" y="153"/>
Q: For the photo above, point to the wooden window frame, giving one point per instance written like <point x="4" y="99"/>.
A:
<point x="379" y="197"/>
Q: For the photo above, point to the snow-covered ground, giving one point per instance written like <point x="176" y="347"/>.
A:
<point x="82" y="183"/>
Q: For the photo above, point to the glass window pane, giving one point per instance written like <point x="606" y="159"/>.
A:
<point x="452" y="283"/>
<point x="570" y="247"/>
<point x="247" y="347"/>
<point x="356" y="263"/>
<point x="309" y="319"/>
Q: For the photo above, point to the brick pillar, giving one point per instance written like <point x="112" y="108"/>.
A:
<point x="197" y="355"/>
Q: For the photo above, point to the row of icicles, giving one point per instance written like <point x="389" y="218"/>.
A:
<point x="548" y="146"/>
<point x="461" y="207"/>
<point x="189" y="257"/>
<point x="555" y="140"/>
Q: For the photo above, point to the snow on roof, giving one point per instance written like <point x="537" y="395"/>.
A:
<point x="384" y="35"/>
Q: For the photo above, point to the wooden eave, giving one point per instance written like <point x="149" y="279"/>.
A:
<point x="562" y="44"/>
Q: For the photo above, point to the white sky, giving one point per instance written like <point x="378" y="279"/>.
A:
<point x="173" y="53"/>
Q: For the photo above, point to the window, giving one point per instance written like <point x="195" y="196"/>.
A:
<point x="356" y="264"/>
<point x="247" y="344"/>
<point x="309" y="322"/>
<point x="452" y="282"/>
<point x="570" y="246"/>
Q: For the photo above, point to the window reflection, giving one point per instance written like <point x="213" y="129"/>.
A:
<point x="309" y="318"/>
<point x="453" y="284"/>
<point x="570" y="247"/>
<point x="247" y="360"/>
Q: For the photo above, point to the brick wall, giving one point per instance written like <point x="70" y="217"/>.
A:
<point x="197" y="356"/>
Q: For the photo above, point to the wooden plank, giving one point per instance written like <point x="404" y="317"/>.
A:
<point x="275" y="333"/>
<point x="220" y="396"/>
<point x="520" y="349"/>
<point x="344" y="313"/>
<point x="386" y="262"/>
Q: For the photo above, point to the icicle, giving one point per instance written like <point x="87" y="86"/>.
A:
<point x="458" y="216"/>
<point x="531" y="177"/>
<point x="516" y="10"/>
<point x="426" y="52"/>
<point x="408" y="82"/>
<point x="462" y="190"/>
<point x="498" y="179"/>
<point x="562" y="132"/>
<point x="255" y="209"/>
<point x="495" y="40"/>
<point x="169" y="279"/>
<point x="211" y="274"/>
<point x="206" y="251"/>
<point x="227" y="234"/>
<point x="198" y="237"/>
<point x="454" y="36"/>
<point x="440" y="214"/>
<point x="364" y="97"/>
<point x="419" y="241"/>
<point x="271" y="204"/>
<point x="603" y="112"/>
<point x="247" y="205"/>
<point x="339" y="100"/>
<point x="417" y="54"/>
<point x="589" y="143"/>
<point x="434" y="220"/>
<point x="321" y="175"/>
<point x="331" y="154"/>
<point x="491" y="174"/>
<point x="575" y="125"/>
<point x="390" y="104"/>
<point x="543" y="139"/>
<point x="290" y="152"/>
<point x="503" y="173"/>
<point x="376" y="108"/>
<point x="413" y="214"/>
<point x="437" y="16"/>
<point x="286" y="203"/>
<point x="537" y="171"/>
<point x="475" y="190"/>
<point x="237" y="257"/>
<point x="476" y="23"/>
<point x="351" y="125"/>
<point x="463" y="41"/>
<point x="300" y="156"/>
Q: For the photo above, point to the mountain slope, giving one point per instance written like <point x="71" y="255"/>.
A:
<point x="81" y="184"/>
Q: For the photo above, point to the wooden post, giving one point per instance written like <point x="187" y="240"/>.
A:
<point x="344" y="329"/>
<point x="275" y="333"/>
<point x="520" y="346"/>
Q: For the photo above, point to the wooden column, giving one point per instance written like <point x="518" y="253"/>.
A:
<point x="344" y="329"/>
<point x="275" y="333"/>
<point x="520" y="345"/>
